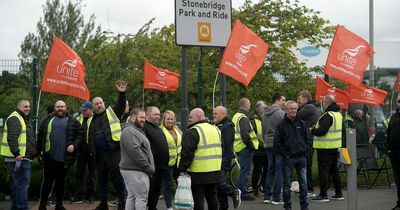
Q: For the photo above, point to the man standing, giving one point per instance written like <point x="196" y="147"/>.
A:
<point x="327" y="139"/>
<point x="245" y="143"/>
<point x="260" y="162"/>
<point x="272" y="117"/>
<point x="159" y="148"/>
<point x="18" y="147"/>
<point x="137" y="163"/>
<point x="85" y="158"/>
<point x="104" y="134"/>
<point x="292" y="141"/>
<point x="393" y="147"/>
<point x="58" y="140"/>
<point x="227" y="129"/>
<point x="201" y="157"/>
<point x="309" y="112"/>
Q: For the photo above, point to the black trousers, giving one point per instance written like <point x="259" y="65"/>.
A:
<point x="327" y="165"/>
<point x="108" y="163"/>
<point x="260" y="164"/>
<point x="85" y="159"/>
<point x="207" y="191"/>
<point x="224" y="190"/>
<point x="395" y="160"/>
<point x="309" y="158"/>
<point x="54" y="172"/>
<point x="155" y="188"/>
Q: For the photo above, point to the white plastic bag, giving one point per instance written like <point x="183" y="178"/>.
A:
<point x="295" y="186"/>
<point x="183" y="195"/>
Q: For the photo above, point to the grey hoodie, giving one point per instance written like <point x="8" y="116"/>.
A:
<point x="271" y="118"/>
<point x="135" y="150"/>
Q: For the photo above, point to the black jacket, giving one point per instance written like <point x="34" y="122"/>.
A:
<point x="100" y="122"/>
<point x="291" y="138"/>
<point x="326" y="121"/>
<point x="14" y="129"/>
<point x="158" y="143"/>
<point x="190" y="139"/>
<point x="227" y="129"/>
<point x="393" y="133"/>
<point x="309" y="113"/>
<point x="74" y="137"/>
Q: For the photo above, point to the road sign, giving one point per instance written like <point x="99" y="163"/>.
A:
<point x="203" y="22"/>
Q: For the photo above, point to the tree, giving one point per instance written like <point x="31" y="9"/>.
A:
<point x="64" y="21"/>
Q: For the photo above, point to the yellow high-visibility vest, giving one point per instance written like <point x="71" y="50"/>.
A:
<point x="333" y="138"/>
<point x="5" y="148"/>
<point x="208" y="156"/>
<point x="238" y="144"/>
<point x="259" y="130"/>
<point x="173" y="148"/>
<point x="80" y="119"/>
<point x="115" y="125"/>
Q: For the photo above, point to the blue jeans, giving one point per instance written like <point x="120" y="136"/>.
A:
<point x="274" y="176"/>
<point x="21" y="181"/>
<point x="300" y="164"/>
<point x="167" y="185"/>
<point x="245" y="157"/>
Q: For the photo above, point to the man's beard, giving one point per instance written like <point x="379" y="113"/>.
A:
<point x="61" y="113"/>
<point x="138" y="124"/>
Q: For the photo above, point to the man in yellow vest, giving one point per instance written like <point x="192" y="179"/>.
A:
<point x="201" y="157"/>
<point x="85" y="158"/>
<point x="104" y="134"/>
<point x="327" y="139"/>
<point x="18" y="147"/>
<point x="260" y="162"/>
<point x="245" y="143"/>
<point x="59" y="138"/>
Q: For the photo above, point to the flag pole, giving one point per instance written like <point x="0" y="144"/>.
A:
<point x="215" y="84"/>
<point x="37" y="111"/>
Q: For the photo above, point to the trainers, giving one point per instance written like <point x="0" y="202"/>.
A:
<point x="247" y="198"/>
<point x="76" y="200"/>
<point x="113" y="203"/>
<point x="320" y="199"/>
<point x="236" y="198"/>
<point x="337" y="197"/>
<point x="102" y="206"/>
<point x="91" y="200"/>
<point x="280" y="202"/>
<point x="51" y="201"/>
<point x="267" y="199"/>
<point x="311" y="194"/>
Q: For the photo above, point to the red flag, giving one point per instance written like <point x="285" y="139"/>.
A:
<point x="159" y="79"/>
<point x="65" y="72"/>
<point x="323" y="89"/>
<point x="243" y="55"/>
<point x="396" y="87"/>
<point x="366" y="95"/>
<point x="348" y="57"/>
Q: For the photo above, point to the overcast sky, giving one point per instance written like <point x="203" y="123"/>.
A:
<point x="18" y="17"/>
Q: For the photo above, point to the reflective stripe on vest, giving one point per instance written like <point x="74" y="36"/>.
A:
<point x="5" y="148"/>
<point x="113" y="120"/>
<point x="333" y="138"/>
<point x="208" y="155"/>
<point x="173" y="148"/>
<point x="259" y="132"/>
<point x="80" y="119"/>
<point x="238" y="144"/>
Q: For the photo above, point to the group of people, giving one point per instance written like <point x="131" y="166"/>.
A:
<point x="143" y="153"/>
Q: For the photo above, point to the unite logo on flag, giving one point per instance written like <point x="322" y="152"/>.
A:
<point x="65" y="72"/>
<point x="244" y="54"/>
<point x="366" y="95"/>
<point x="323" y="88"/>
<point x="348" y="57"/>
<point x="159" y="79"/>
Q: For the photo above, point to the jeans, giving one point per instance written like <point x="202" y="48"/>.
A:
<point x="274" y="179"/>
<point x="309" y="157"/>
<point x="223" y="191"/>
<point x="299" y="163"/>
<point x="20" y="185"/>
<point x="395" y="160"/>
<point x="155" y="188"/>
<point x="169" y="175"/>
<point x="260" y="164"/>
<point x="84" y="159"/>
<point x="245" y="157"/>
<point x="207" y="191"/>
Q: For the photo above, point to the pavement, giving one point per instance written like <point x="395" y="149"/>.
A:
<point x="377" y="198"/>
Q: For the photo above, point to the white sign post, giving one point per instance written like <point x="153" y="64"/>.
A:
<point x="203" y="22"/>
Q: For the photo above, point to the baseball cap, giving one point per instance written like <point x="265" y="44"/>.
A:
<point x="85" y="106"/>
